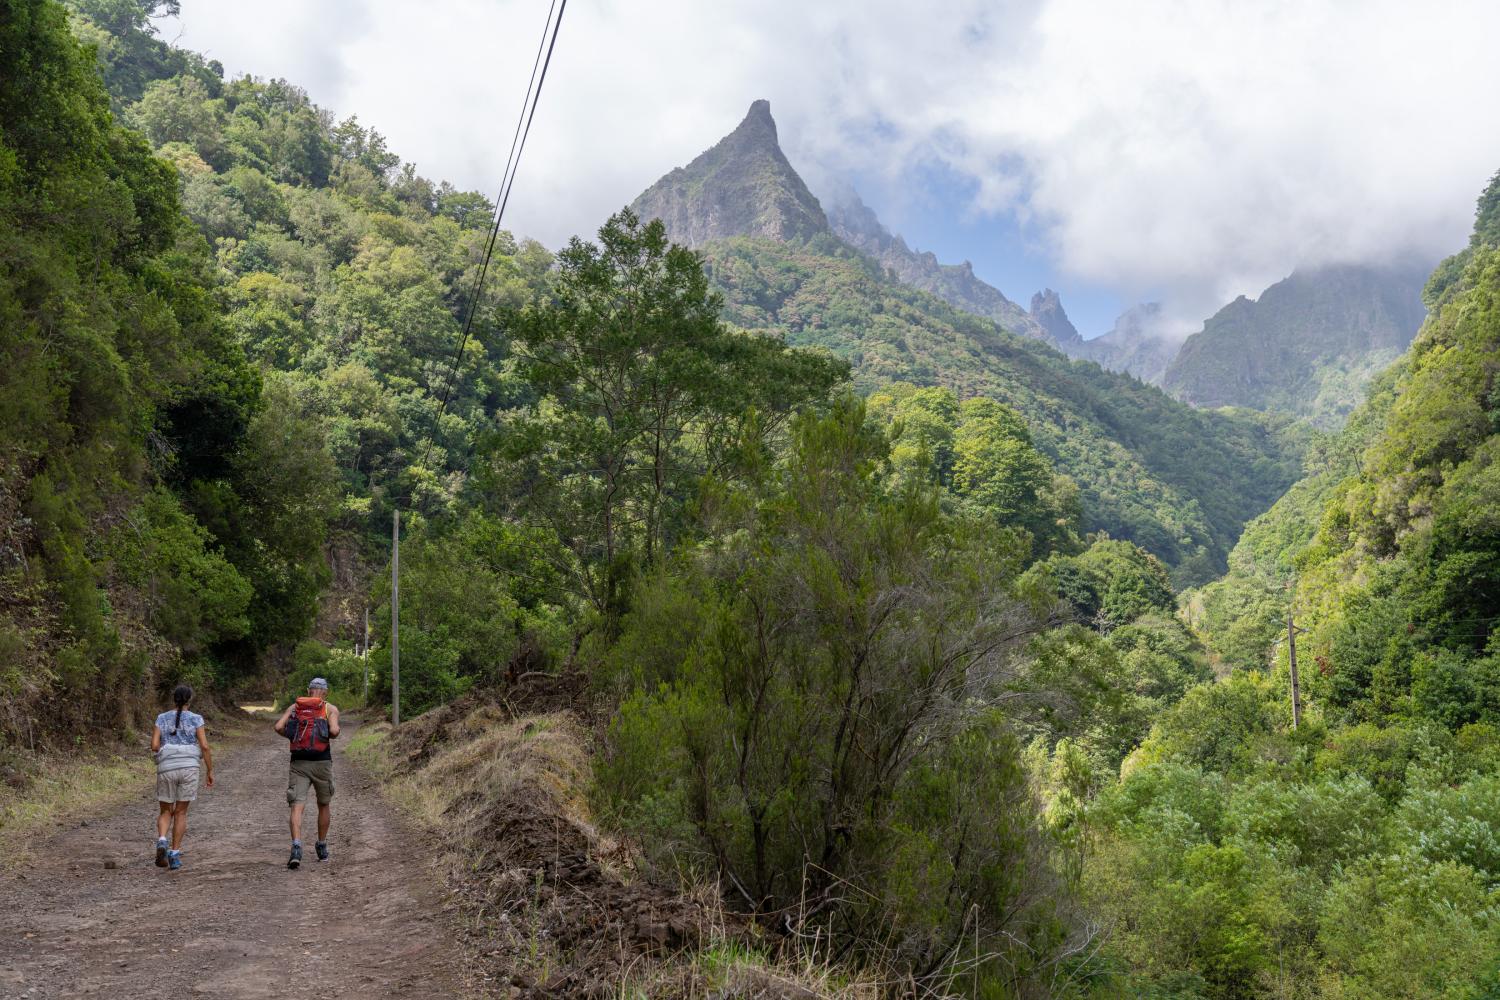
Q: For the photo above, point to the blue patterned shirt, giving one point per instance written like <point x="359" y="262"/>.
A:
<point x="187" y="729"/>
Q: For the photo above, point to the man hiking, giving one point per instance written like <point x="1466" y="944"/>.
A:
<point x="310" y="723"/>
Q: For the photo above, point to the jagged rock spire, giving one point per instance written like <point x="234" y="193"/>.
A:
<point x="1047" y="310"/>
<point x="743" y="186"/>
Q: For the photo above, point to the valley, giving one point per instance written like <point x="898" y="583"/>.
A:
<point x="783" y="612"/>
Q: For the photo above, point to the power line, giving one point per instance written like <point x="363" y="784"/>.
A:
<point x="508" y="178"/>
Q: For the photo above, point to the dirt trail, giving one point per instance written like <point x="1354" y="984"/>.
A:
<point x="234" y="922"/>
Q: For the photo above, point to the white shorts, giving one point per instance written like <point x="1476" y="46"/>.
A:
<point x="180" y="785"/>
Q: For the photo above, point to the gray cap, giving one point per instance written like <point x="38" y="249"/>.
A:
<point x="317" y="682"/>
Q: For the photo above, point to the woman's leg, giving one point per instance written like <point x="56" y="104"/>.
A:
<point x="163" y="818"/>
<point x="179" y="824"/>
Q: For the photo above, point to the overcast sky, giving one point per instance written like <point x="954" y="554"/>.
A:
<point x="1185" y="151"/>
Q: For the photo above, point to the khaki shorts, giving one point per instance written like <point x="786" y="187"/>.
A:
<point x="180" y="785"/>
<point x="306" y="774"/>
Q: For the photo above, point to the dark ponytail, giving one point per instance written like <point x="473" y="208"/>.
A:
<point x="182" y="694"/>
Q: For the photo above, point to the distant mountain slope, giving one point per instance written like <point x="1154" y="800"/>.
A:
<point x="1133" y="345"/>
<point x="1393" y="538"/>
<point x="1178" y="481"/>
<point x="956" y="284"/>
<point x="1307" y="346"/>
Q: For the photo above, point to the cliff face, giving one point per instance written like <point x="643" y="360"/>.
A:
<point x="1308" y="345"/>
<point x="1047" y="312"/>
<point x="743" y="186"/>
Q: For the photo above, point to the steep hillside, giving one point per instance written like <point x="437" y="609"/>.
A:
<point x="1307" y="346"/>
<point x="1178" y="481"/>
<point x="1392" y="541"/>
<point x="1379" y="810"/>
<point x="161" y="505"/>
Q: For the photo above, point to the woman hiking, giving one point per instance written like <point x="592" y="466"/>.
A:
<point x="180" y="743"/>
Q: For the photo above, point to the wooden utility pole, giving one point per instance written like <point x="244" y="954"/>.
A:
<point x="1291" y="656"/>
<point x="364" y="653"/>
<point x="396" y="619"/>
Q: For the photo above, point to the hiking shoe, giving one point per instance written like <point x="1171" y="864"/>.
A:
<point x="161" y="853"/>
<point x="295" y="861"/>
<point x="174" y="860"/>
<point x="322" y="848"/>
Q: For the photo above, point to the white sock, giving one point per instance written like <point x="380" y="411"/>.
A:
<point x="160" y="841"/>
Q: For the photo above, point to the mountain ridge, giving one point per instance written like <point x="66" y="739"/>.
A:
<point x="1178" y="481"/>
<point x="1306" y="345"/>
<point x="855" y="223"/>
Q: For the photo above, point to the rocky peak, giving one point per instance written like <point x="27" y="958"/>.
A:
<point x="743" y="186"/>
<point x="758" y="123"/>
<point x="1047" y="310"/>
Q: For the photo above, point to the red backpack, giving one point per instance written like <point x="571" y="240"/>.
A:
<point x="307" y="727"/>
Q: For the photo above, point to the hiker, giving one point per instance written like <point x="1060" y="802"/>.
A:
<point x="180" y="744"/>
<point x="309" y="723"/>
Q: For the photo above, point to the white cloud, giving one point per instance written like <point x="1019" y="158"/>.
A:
<point x="1184" y="148"/>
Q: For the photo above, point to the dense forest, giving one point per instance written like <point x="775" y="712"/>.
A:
<point x="1178" y="482"/>
<point x="826" y="549"/>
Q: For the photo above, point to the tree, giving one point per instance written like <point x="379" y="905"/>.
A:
<point x="996" y="470"/>
<point x="178" y="110"/>
<point x="643" y="392"/>
<point x="817" y="715"/>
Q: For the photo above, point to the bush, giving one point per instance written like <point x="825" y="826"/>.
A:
<point x="807" y="723"/>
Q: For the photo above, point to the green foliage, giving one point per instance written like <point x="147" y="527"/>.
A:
<point x="131" y="416"/>
<point x="980" y="452"/>
<point x="1110" y="584"/>
<point x="1178" y="482"/>
<point x="344" y="672"/>
<point x="193" y="596"/>
<point x="828" y="628"/>
<point x="1368" y="840"/>
<point x="1398" y="927"/>
<point x="1220" y="727"/>
<point x="643" y="392"/>
<point x="807" y="717"/>
<point x="467" y="611"/>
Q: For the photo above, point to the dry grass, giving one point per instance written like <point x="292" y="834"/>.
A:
<point x="61" y="790"/>
<point x="548" y="902"/>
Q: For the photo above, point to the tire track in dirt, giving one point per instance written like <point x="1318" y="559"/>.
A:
<point x="95" y="917"/>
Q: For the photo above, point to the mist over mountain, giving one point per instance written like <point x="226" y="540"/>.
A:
<point x="1136" y="344"/>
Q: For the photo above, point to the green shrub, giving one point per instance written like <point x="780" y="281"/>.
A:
<point x="344" y="672"/>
